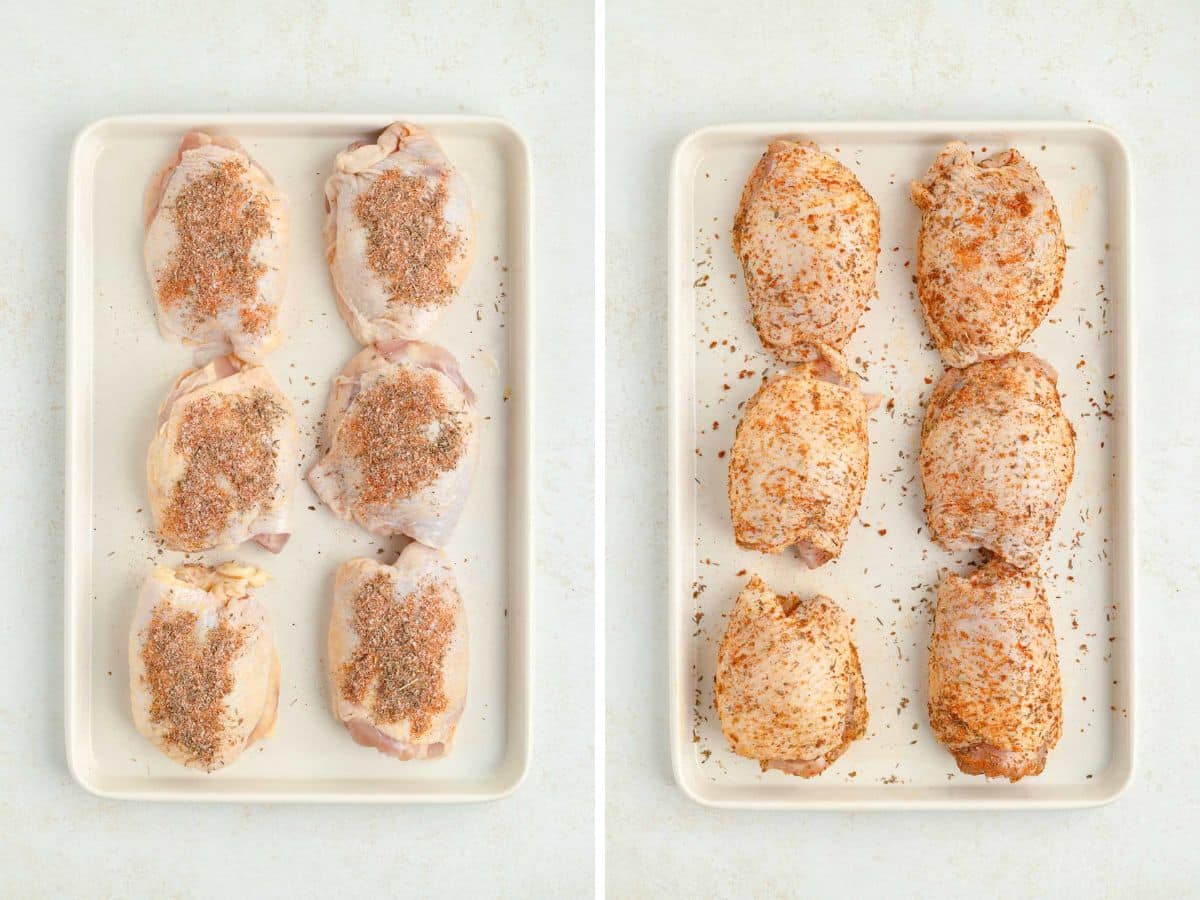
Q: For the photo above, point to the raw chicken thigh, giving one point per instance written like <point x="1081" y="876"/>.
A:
<point x="398" y="653"/>
<point x="807" y="234"/>
<point x="990" y="254"/>
<point x="995" y="698"/>
<point x="398" y="234"/>
<point x="997" y="457"/>
<point x="789" y="687"/>
<point x="222" y="465"/>
<point x="799" y="460"/>
<point x="402" y="439"/>
<point x="216" y="249"/>
<point x="203" y="671"/>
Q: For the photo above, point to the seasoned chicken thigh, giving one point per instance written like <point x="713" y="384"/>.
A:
<point x="789" y="687"/>
<point x="402" y="442"/>
<point x="399" y="233"/>
<point x="203" y="671"/>
<point x="216" y="249"/>
<point x="222" y="465"/>
<point x="995" y="698"/>
<point x="799" y="460"/>
<point x="997" y="457"/>
<point x="990" y="254"/>
<point x="398" y="653"/>
<point x="807" y="234"/>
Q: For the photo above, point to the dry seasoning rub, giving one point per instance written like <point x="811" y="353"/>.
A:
<point x="403" y="434"/>
<point x="995" y="692"/>
<point x="218" y="219"/>
<point x="188" y="679"/>
<point x="402" y="645"/>
<point x="799" y="461"/>
<point x="408" y="243"/>
<point x="228" y="444"/>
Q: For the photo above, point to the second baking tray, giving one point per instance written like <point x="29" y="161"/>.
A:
<point x="119" y="370"/>
<point x="888" y="570"/>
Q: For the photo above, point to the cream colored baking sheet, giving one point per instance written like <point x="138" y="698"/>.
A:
<point x="888" y="570"/>
<point x="120" y="369"/>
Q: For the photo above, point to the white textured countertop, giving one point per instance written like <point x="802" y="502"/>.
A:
<point x="64" y="68"/>
<point x="673" y="67"/>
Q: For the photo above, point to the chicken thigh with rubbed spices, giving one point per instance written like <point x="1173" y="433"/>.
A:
<point x="399" y="233"/>
<point x="203" y="671"/>
<point x="222" y="465"/>
<point x="216" y="249"/>
<point x="398" y="653"/>
<point x="990" y="253"/>
<point x="807" y="235"/>
<point x="995" y="696"/>
<point x="997" y="456"/>
<point x="799" y="460"/>
<point x="789" y="687"/>
<point x="402" y="441"/>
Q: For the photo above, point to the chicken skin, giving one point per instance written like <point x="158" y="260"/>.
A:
<point x="990" y="254"/>
<point x="398" y="653"/>
<point x="399" y="233"/>
<point x="807" y="235"/>
<point x="216" y="249"/>
<point x="997" y="457"/>
<point x="403" y="440"/>
<point x="789" y="687"/>
<point x="799" y="460"/>
<point x="203" y="671"/>
<point x="222" y="465"/>
<point x="995" y="697"/>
